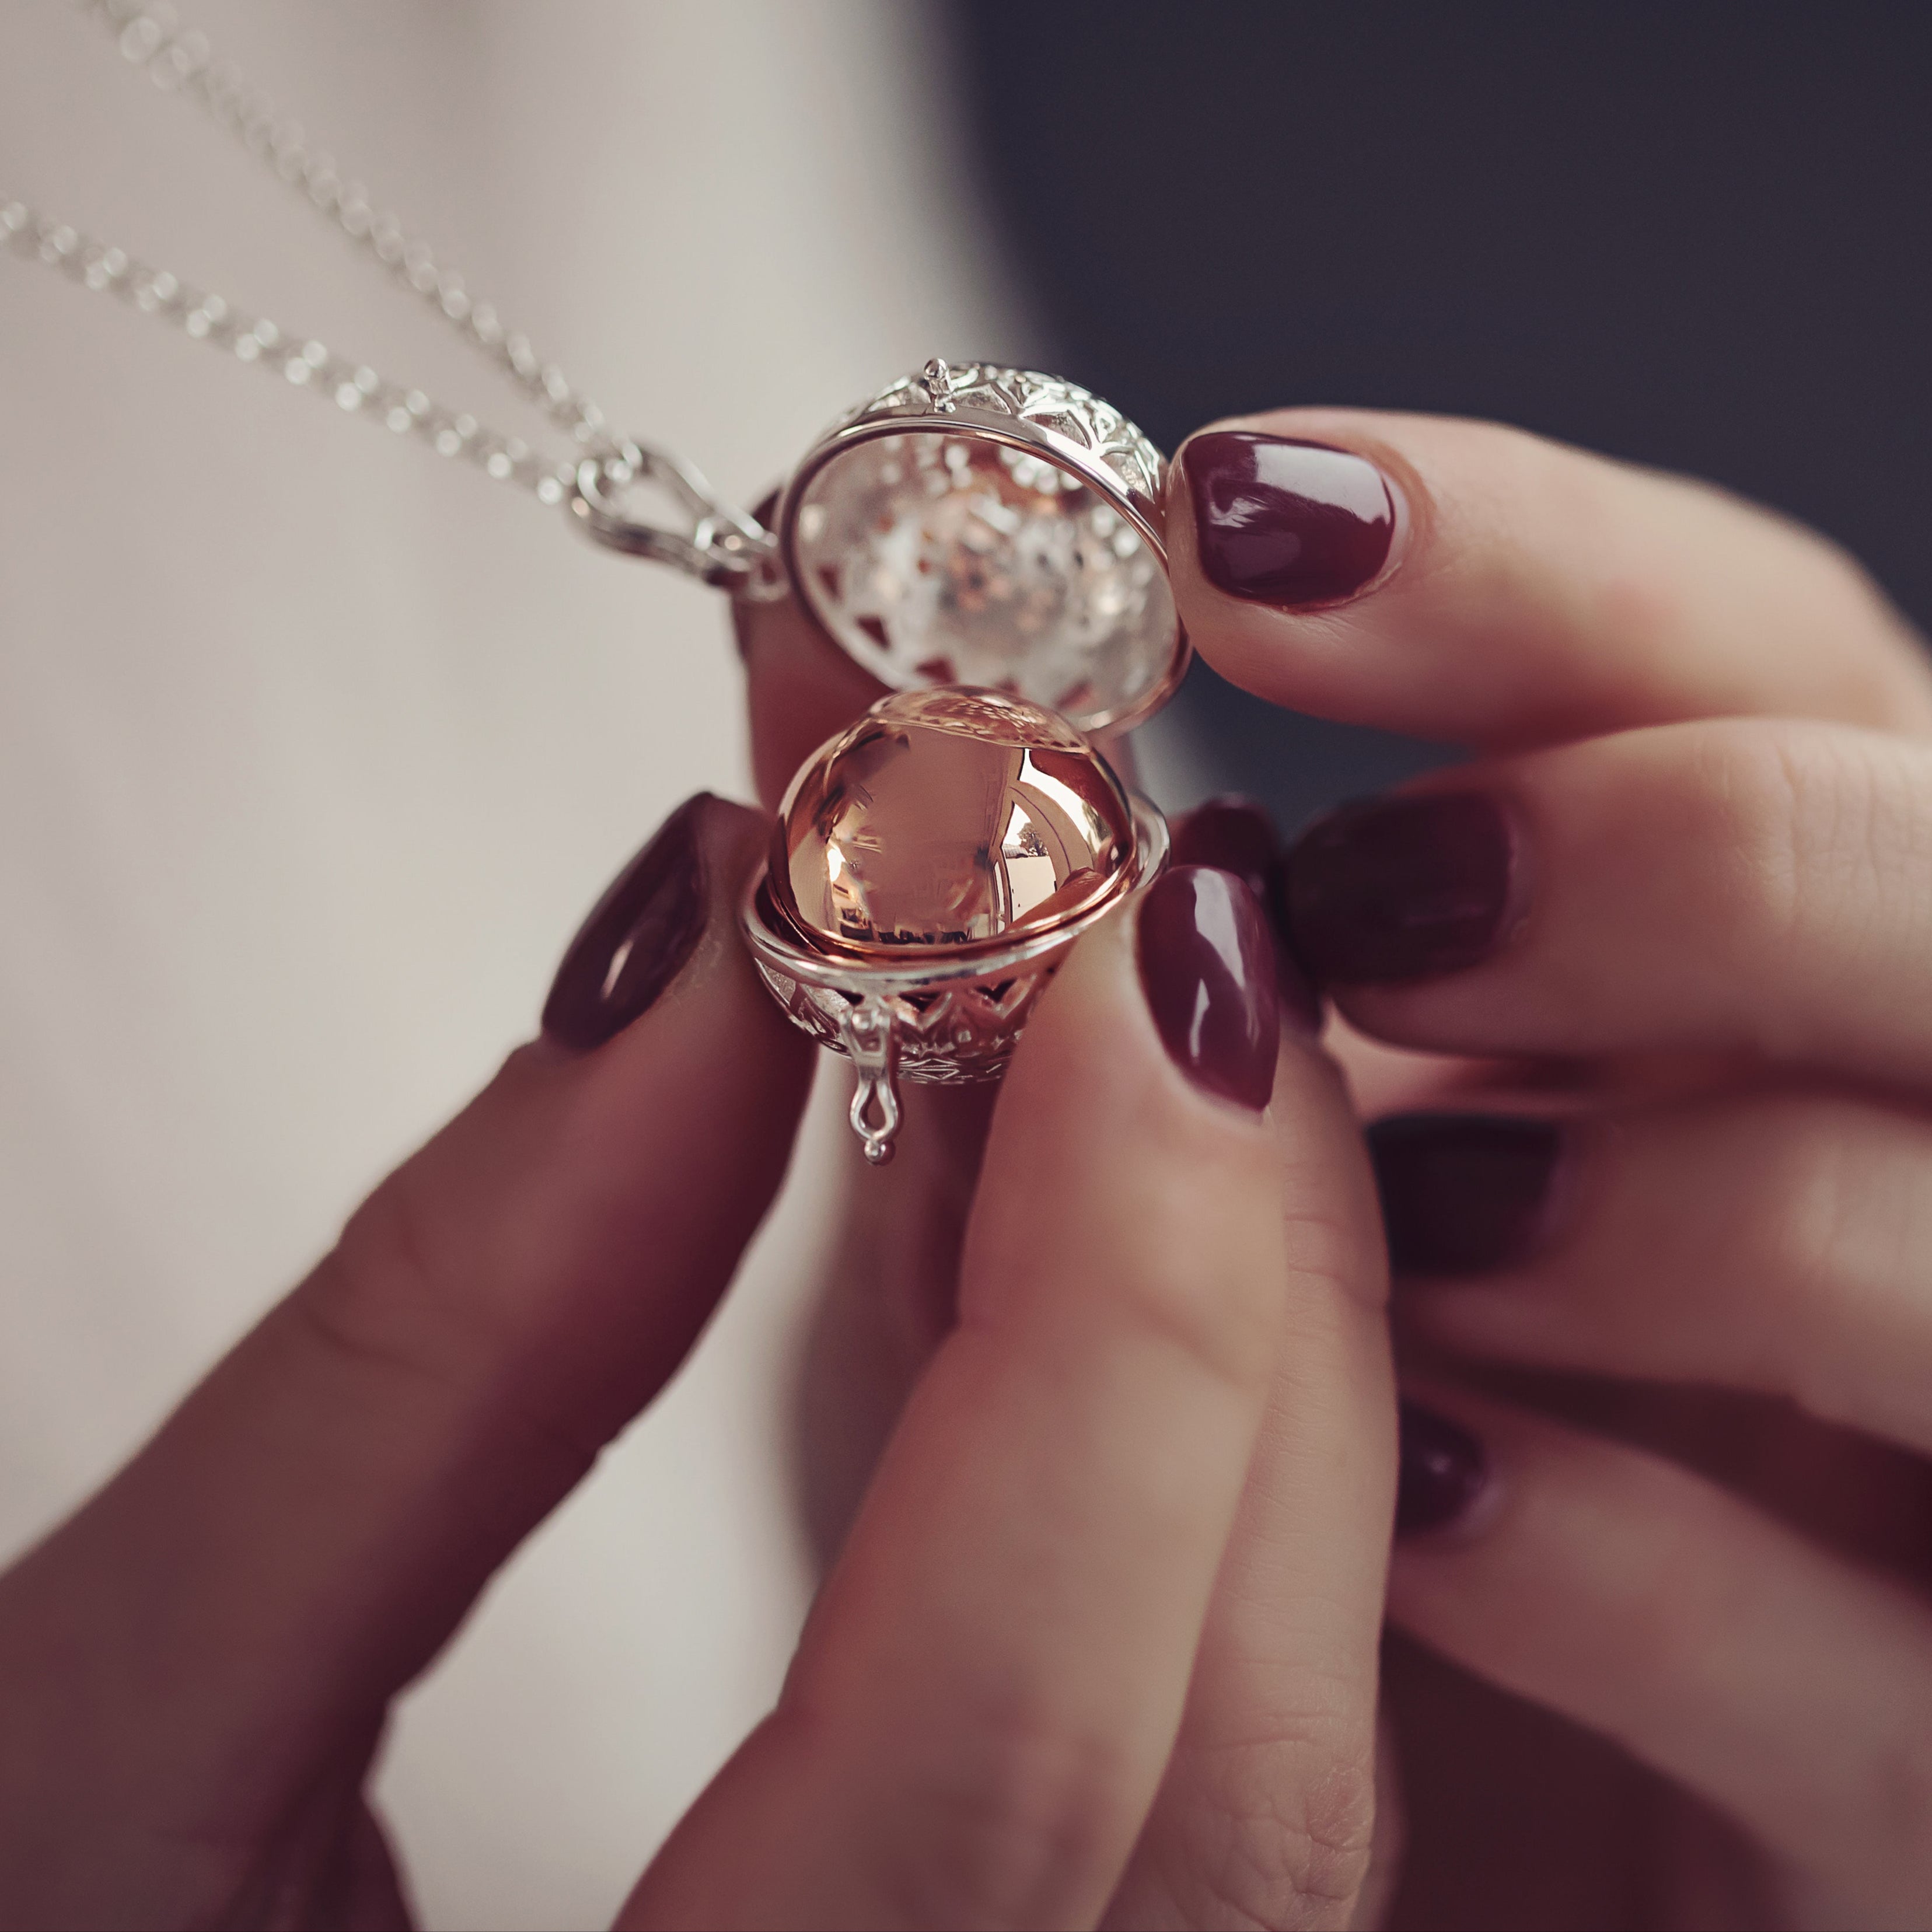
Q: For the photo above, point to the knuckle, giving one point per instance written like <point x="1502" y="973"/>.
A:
<point x="1290" y="1839"/>
<point x="1807" y="830"/>
<point x="1325" y="1243"/>
<point x="388" y="1305"/>
<point x="1763" y="795"/>
<point x="1838" y="1222"/>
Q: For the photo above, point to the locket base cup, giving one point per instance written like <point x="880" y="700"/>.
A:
<point x="946" y="1021"/>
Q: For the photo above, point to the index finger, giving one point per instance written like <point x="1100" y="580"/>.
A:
<point x="311" y="1525"/>
<point x="1468" y="583"/>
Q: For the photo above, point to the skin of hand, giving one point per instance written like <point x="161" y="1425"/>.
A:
<point x="1646" y="988"/>
<point x="1101" y="1643"/>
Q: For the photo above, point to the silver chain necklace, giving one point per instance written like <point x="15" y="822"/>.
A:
<point x="717" y="544"/>
<point x="988" y="542"/>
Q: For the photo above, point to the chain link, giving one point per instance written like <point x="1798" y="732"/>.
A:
<point x="179" y="62"/>
<point x="715" y="543"/>
<point x="354" y="387"/>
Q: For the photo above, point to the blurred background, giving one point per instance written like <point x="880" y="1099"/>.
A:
<point x="1680" y="235"/>
<point x="312" y="752"/>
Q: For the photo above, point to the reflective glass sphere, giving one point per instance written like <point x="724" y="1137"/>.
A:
<point x="956" y="818"/>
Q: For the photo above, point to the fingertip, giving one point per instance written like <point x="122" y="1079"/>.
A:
<point x="800" y="689"/>
<point x="737" y="833"/>
<point x="1208" y="973"/>
<point x="1290" y="522"/>
<point x="669" y="905"/>
<point x="1283" y="529"/>
<point x="1409" y="886"/>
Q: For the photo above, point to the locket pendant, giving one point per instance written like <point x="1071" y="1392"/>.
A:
<point x="990" y="543"/>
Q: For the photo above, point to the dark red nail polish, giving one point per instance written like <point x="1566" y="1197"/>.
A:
<point x="1286" y="523"/>
<point x="1208" y="967"/>
<point x="1441" y="1470"/>
<point x="636" y="938"/>
<point x="1402" y="888"/>
<point x="1237" y="836"/>
<point x="1234" y="834"/>
<point x="1464" y="1193"/>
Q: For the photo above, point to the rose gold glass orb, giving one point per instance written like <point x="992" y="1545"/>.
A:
<point x="951" y="818"/>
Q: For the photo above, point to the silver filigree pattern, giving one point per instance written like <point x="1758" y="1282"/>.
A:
<point x="978" y="525"/>
<point x="949" y="1037"/>
<point x="1051" y="403"/>
<point x="932" y="1020"/>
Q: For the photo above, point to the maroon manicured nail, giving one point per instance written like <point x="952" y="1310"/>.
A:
<point x="1464" y="1193"/>
<point x="1402" y="888"/>
<point x="1234" y="834"/>
<point x="1208" y="967"/>
<point x="636" y="938"/>
<point x="1441" y="1470"/>
<point x="1237" y="836"/>
<point x="1286" y="523"/>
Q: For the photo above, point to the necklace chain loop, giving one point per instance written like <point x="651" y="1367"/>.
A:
<point x="182" y="62"/>
<point x="720" y="546"/>
<point x="717" y="544"/>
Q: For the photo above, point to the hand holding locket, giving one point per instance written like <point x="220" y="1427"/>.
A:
<point x="986" y="541"/>
<point x="989" y="541"/>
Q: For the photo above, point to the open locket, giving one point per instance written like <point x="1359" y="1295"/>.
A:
<point x="988" y="542"/>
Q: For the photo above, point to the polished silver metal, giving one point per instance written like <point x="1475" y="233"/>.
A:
<point x="1048" y="429"/>
<point x="717" y="544"/>
<point x="871" y="1042"/>
<point x="1067" y="426"/>
<point x="945" y="1020"/>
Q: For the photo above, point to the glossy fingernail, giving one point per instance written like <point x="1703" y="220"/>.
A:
<point x="1442" y="1470"/>
<point x="637" y="937"/>
<point x="1464" y="1193"/>
<point x="1238" y="836"/>
<point x="1234" y="834"/>
<point x="1402" y="888"/>
<point x="1290" y="524"/>
<point x="1207" y="967"/>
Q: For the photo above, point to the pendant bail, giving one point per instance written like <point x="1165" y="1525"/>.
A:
<point x="717" y="544"/>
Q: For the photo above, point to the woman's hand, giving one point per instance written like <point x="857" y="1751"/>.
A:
<point x="1102" y="1639"/>
<point x="1686" y="895"/>
<point x="195" y="1669"/>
